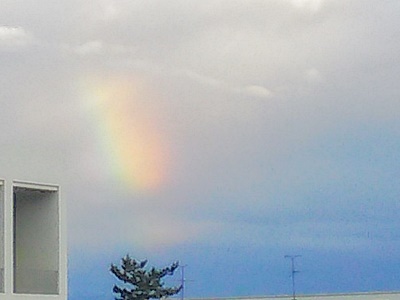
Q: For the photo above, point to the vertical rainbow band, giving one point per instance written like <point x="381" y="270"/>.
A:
<point x="128" y="131"/>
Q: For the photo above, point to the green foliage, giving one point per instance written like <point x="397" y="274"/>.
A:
<point x="142" y="284"/>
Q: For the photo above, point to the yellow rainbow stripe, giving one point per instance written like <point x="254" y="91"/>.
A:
<point x="128" y="131"/>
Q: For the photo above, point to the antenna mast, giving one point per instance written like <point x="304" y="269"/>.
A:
<point x="293" y="272"/>
<point x="183" y="280"/>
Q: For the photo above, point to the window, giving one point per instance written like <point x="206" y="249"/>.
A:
<point x="36" y="238"/>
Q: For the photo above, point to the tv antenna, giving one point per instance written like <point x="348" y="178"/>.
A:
<point x="293" y="273"/>
<point x="183" y="281"/>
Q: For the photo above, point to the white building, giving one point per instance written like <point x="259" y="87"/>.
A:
<point x="350" y="296"/>
<point x="33" y="259"/>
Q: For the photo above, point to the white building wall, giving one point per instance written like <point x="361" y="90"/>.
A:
<point x="34" y="248"/>
<point x="350" y="296"/>
<point x="2" y="236"/>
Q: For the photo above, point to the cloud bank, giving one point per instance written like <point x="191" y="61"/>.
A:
<point x="184" y="127"/>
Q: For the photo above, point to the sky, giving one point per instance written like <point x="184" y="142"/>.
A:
<point x="224" y="134"/>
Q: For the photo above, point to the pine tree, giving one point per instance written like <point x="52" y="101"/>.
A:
<point x="142" y="284"/>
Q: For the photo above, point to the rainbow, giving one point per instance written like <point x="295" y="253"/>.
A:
<point x="128" y="131"/>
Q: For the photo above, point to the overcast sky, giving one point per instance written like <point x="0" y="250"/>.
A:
<point x="221" y="133"/>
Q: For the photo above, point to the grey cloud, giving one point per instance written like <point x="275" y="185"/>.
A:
<point x="247" y="90"/>
<point x="14" y="37"/>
